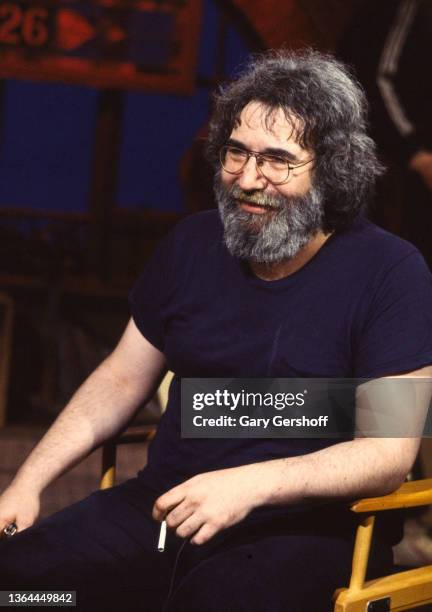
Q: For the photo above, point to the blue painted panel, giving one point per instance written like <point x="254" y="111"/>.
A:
<point x="157" y="131"/>
<point x="46" y="147"/>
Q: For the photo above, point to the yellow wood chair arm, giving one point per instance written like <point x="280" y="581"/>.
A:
<point x="144" y="433"/>
<point x="414" y="493"/>
<point x="141" y="433"/>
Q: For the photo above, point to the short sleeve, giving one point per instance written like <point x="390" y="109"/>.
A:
<point x="150" y="296"/>
<point x="396" y="334"/>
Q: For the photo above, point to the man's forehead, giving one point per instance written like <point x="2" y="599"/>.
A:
<point x="257" y="120"/>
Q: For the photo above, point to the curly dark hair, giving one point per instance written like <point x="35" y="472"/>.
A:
<point x="318" y="90"/>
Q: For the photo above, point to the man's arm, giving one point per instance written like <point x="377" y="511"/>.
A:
<point x="210" y="502"/>
<point x="100" y="408"/>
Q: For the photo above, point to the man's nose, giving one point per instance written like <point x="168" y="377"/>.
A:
<point x="251" y="178"/>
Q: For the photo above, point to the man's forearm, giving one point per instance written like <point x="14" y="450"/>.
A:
<point x="348" y="470"/>
<point x="212" y="501"/>
<point x="99" y="409"/>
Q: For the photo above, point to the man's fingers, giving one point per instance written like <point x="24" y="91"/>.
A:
<point x="190" y="526"/>
<point x="204" y="534"/>
<point x="12" y="526"/>
<point x="178" y="515"/>
<point x="166" y="502"/>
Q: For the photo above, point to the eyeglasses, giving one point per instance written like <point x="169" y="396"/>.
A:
<point x="274" y="168"/>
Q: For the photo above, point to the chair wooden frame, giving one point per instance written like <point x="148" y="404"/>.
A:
<point x="145" y="433"/>
<point x="405" y="590"/>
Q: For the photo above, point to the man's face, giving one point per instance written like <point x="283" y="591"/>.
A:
<point x="265" y="222"/>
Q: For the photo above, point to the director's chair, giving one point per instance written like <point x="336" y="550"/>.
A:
<point x="404" y="590"/>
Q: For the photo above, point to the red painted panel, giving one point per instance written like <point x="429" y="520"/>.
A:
<point x="103" y="43"/>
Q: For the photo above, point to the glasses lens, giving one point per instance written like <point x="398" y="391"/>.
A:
<point x="232" y="159"/>
<point x="275" y="169"/>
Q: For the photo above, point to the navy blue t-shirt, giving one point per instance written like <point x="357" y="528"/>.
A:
<point x="361" y="307"/>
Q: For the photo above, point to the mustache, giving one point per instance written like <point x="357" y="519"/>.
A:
<point x="257" y="197"/>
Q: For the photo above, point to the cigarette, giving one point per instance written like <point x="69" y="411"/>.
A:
<point x="162" y="536"/>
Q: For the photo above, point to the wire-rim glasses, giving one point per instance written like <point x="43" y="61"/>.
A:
<point x="274" y="168"/>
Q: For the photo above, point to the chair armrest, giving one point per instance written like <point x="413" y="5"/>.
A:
<point x="414" y="493"/>
<point x="142" y="433"/>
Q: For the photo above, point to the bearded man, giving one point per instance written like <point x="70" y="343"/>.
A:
<point x="288" y="281"/>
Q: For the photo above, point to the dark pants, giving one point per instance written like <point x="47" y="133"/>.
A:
<point x="105" y="548"/>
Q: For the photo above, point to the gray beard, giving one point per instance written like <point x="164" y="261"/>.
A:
<point x="275" y="236"/>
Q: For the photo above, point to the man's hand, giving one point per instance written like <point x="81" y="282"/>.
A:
<point x="207" y="503"/>
<point x="18" y="506"/>
<point x="421" y="163"/>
